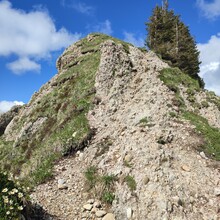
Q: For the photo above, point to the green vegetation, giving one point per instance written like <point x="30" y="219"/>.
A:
<point x="102" y="186"/>
<point x="214" y="99"/>
<point x="170" y="38"/>
<point x="173" y="78"/>
<point x="59" y="116"/>
<point x="108" y="197"/>
<point x="210" y="134"/>
<point x="173" y="114"/>
<point x="127" y="164"/>
<point x="12" y="197"/>
<point x="131" y="183"/>
<point x="91" y="176"/>
<point x="144" y="120"/>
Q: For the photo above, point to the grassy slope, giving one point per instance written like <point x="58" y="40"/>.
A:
<point x="65" y="108"/>
<point x="174" y="78"/>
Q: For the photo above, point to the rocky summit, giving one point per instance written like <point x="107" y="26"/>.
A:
<point x="117" y="134"/>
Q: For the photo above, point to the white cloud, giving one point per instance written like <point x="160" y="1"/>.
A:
<point x="7" y="105"/>
<point x="81" y="7"/>
<point x="102" y="27"/>
<point x="210" y="10"/>
<point x="210" y="67"/>
<point x="22" y="65"/>
<point x="130" y="37"/>
<point x="32" y="35"/>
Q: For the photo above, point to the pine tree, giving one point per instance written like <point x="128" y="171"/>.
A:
<point x="170" y="38"/>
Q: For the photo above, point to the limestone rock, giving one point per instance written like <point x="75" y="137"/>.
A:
<point x="109" y="216"/>
<point x="185" y="168"/>
<point x="129" y="213"/>
<point x="88" y="207"/>
<point x="62" y="184"/>
<point x="100" y="213"/>
<point x="217" y="191"/>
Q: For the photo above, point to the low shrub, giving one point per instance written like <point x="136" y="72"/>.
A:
<point x="12" y="197"/>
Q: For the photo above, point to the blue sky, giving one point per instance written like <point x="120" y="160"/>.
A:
<point x="34" y="33"/>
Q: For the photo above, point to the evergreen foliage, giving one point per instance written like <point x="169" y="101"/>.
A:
<point x="170" y="38"/>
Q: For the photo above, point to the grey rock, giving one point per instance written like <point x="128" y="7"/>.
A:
<point x="109" y="216"/>
<point x="128" y="157"/>
<point x="6" y="118"/>
<point x="88" y="207"/>
<point x="146" y="180"/>
<point x="62" y="184"/>
<point x="217" y="191"/>
<point x="90" y="201"/>
<point x="100" y="213"/>
<point x="129" y="213"/>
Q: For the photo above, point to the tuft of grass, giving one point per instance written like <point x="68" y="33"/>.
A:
<point x="127" y="164"/>
<point x="108" y="197"/>
<point x="108" y="180"/>
<point x="211" y="97"/>
<point x="204" y="104"/>
<point x="144" y="120"/>
<point x="173" y="114"/>
<point x="131" y="183"/>
<point x="210" y="134"/>
<point x="102" y="186"/>
<point x="91" y="176"/>
<point x="44" y="171"/>
<point x="173" y="78"/>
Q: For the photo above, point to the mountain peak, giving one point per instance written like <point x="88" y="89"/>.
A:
<point x="118" y="111"/>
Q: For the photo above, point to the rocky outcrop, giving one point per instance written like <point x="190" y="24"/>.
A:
<point x="159" y="173"/>
<point x="6" y="118"/>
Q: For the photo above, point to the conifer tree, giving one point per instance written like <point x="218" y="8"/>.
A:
<point x="170" y="38"/>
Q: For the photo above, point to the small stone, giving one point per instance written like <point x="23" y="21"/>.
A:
<point x="100" y="213"/>
<point x="217" y="191"/>
<point x="88" y="207"/>
<point x="94" y="210"/>
<point x="61" y="181"/>
<point x="74" y="134"/>
<point x="186" y="168"/>
<point x="109" y="216"/>
<point x="61" y="184"/>
<point x="202" y="154"/>
<point x="129" y="213"/>
<point x="90" y="201"/>
<point x="146" y="180"/>
<point x="97" y="204"/>
<point x="128" y="158"/>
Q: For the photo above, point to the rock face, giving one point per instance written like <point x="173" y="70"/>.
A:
<point x="153" y="155"/>
<point x="6" y="118"/>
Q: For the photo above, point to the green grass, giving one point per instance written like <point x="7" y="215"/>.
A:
<point x="100" y="185"/>
<point x="173" y="78"/>
<point x="91" y="176"/>
<point x="131" y="183"/>
<point x="65" y="109"/>
<point x="210" y="134"/>
<point x="211" y="97"/>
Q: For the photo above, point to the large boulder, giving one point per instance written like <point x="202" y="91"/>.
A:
<point x="6" y="118"/>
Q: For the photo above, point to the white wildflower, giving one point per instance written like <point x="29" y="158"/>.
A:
<point x="5" y="190"/>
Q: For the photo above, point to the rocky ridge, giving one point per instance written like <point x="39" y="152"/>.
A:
<point x="159" y="172"/>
